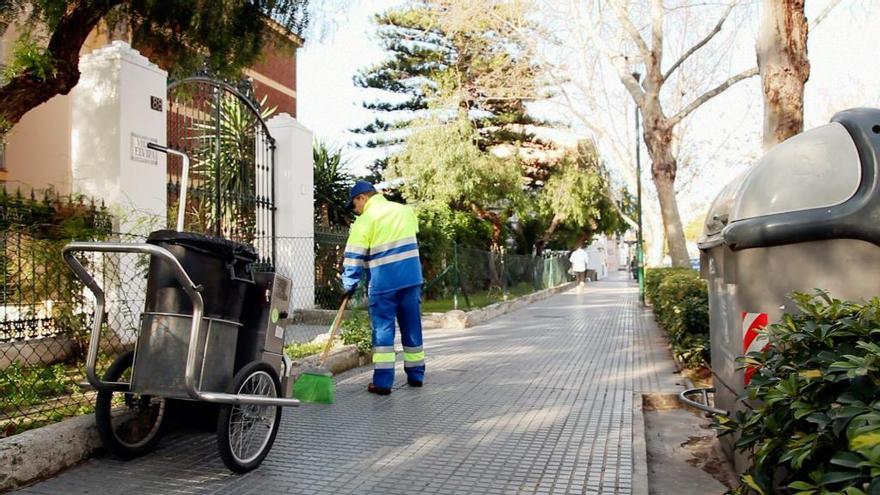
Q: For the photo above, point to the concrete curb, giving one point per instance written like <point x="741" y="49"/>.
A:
<point x="462" y="319"/>
<point x="35" y="454"/>
<point x="339" y="360"/>
<point x="450" y="319"/>
<point x="640" y="448"/>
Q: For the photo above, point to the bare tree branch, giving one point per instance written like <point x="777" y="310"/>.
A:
<point x="704" y="41"/>
<point x="618" y="59"/>
<point x="597" y="40"/>
<point x="822" y="15"/>
<point x="708" y="95"/>
<point x="631" y="29"/>
<point x="657" y="14"/>
<point x="621" y="63"/>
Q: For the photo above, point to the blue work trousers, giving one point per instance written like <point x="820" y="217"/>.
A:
<point x="403" y="305"/>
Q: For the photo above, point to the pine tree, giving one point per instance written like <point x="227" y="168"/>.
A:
<point x="447" y="56"/>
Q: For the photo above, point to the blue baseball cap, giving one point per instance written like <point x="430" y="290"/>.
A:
<point x="359" y="187"/>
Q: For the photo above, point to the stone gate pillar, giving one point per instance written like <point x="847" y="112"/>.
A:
<point x="118" y="107"/>
<point x="294" y="218"/>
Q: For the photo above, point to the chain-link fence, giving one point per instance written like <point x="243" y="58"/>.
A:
<point x="455" y="277"/>
<point x="46" y="313"/>
<point x="465" y="278"/>
<point x="45" y="321"/>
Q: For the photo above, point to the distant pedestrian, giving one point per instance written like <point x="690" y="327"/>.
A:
<point x="579" y="260"/>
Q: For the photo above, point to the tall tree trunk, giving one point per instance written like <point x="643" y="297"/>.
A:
<point x="671" y="220"/>
<point x="784" y="68"/>
<point x="494" y="219"/>
<point x="547" y="235"/>
<point x="658" y="138"/>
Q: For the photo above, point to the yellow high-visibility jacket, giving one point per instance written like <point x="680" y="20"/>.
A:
<point x="383" y="241"/>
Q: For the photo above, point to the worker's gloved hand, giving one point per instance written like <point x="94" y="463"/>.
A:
<point x="350" y="292"/>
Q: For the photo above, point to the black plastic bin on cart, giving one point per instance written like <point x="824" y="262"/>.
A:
<point x="222" y="267"/>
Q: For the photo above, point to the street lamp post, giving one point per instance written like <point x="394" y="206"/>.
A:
<point x="640" y="251"/>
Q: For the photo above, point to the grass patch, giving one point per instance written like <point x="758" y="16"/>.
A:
<point x="478" y="299"/>
<point x="304" y="349"/>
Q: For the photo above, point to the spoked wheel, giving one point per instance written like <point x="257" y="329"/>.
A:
<point x="245" y="433"/>
<point x="129" y="424"/>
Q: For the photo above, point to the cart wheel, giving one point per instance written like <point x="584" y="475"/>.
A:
<point x="129" y="424"/>
<point x="245" y="432"/>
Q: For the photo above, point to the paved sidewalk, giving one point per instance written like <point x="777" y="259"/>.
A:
<point x="537" y="401"/>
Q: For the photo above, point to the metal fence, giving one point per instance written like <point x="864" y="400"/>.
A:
<point x="231" y="181"/>
<point x="471" y="277"/>
<point x="45" y="318"/>
<point x="46" y="313"/>
<point x="465" y="277"/>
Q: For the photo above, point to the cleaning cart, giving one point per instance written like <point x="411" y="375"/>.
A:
<point x="209" y="332"/>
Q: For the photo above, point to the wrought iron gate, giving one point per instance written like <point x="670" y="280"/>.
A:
<point x="231" y="192"/>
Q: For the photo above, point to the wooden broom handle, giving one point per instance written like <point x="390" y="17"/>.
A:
<point x="336" y="323"/>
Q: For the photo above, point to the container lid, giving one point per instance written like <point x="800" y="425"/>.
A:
<point x="820" y="185"/>
<point x="816" y="169"/>
<point x="212" y="245"/>
<point x="719" y="213"/>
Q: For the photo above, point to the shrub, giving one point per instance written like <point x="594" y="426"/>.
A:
<point x="357" y="330"/>
<point x="654" y="276"/>
<point x="817" y="391"/>
<point x="301" y="350"/>
<point x="22" y="386"/>
<point x="681" y="305"/>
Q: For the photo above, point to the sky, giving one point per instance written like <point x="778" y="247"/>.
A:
<point x="328" y="102"/>
<point x="723" y="136"/>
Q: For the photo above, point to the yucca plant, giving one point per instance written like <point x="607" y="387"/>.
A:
<point x="332" y="182"/>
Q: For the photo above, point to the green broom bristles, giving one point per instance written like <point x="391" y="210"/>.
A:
<point x="314" y="386"/>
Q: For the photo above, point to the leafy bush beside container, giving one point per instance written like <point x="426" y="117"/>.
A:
<point x="681" y="306"/>
<point x="815" y="428"/>
<point x="654" y="276"/>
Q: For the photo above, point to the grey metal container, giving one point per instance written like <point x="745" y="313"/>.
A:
<point x="806" y="216"/>
<point x="160" y="356"/>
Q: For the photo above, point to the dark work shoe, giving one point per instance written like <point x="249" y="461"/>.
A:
<point x="414" y="383"/>
<point x="378" y="390"/>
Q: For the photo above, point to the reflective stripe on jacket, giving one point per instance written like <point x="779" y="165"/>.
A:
<point x="383" y="240"/>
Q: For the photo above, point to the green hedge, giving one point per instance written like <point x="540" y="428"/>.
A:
<point x="681" y="306"/>
<point x="815" y="428"/>
<point x="654" y="276"/>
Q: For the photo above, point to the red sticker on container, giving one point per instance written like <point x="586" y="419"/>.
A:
<point x="752" y="340"/>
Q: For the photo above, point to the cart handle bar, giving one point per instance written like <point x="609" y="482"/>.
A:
<point x="191" y="290"/>
<point x="184" y="179"/>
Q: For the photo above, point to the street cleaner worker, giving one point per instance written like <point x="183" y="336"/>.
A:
<point x="383" y="241"/>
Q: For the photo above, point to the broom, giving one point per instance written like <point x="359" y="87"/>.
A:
<point x="315" y="384"/>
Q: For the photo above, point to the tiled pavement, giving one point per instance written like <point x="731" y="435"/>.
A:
<point x="537" y="401"/>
